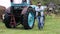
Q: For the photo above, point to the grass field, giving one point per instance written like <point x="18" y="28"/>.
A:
<point x="52" y="26"/>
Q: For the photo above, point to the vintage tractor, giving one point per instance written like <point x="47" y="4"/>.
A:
<point x="21" y="12"/>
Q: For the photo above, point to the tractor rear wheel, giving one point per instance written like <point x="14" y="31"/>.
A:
<point x="29" y="19"/>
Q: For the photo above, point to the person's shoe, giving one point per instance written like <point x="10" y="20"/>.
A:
<point x="40" y="28"/>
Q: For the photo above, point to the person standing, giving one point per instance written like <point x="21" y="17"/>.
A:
<point x="40" y="15"/>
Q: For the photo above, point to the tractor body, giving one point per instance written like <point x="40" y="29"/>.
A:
<point x="21" y="12"/>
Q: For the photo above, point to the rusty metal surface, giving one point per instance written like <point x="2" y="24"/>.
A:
<point x="24" y="10"/>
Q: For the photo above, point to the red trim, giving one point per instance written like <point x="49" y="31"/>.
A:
<point x="12" y="22"/>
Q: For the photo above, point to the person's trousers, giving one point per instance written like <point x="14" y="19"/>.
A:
<point x="40" y="20"/>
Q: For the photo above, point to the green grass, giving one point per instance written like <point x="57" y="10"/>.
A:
<point x="52" y="26"/>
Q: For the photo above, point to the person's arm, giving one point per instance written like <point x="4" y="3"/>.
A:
<point x="37" y="9"/>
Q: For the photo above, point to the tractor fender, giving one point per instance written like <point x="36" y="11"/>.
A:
<point x="24" y="10"/>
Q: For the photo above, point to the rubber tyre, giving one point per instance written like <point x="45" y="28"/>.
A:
<point x="25" y="18"/>
<point x="6" y="21"/>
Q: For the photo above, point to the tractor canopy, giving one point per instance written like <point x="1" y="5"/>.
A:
<point x="20" y="2"/>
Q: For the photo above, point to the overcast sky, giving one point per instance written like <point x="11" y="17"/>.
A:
<point x="5" y="3"/>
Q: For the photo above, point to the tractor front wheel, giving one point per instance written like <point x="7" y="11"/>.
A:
<point x="29" y="19"/>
